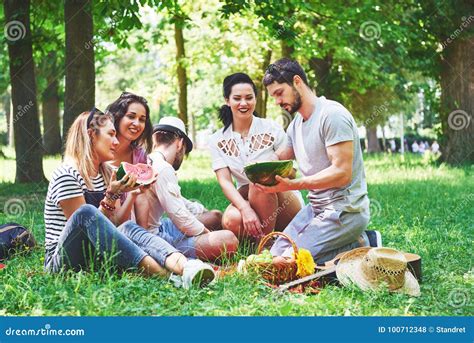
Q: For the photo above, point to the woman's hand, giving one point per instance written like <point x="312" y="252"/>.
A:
<point x="126" y="184"/>
<point x="141" y="189"/>
<point x="252" y="225"/>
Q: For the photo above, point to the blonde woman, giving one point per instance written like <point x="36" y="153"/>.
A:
<point x="82" y="205"/>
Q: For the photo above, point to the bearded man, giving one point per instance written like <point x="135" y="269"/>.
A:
<point x="323" y="139"/>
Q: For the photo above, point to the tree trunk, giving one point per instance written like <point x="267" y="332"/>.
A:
<point x="287" y="52"/>
<point x="28" y="148"/>
<point x="372" y="141"/>
<point x="265" y="102"/>
<point x="7" y="100"/>
<point x="80" y="70"/>
<point x="286" y="49"/>
<point x="321" y="68"/>
<point x="262" y="95"/>
<point x="384" y="140"/>
<point x="51" y="131"/>
<point x="181" y="71"/>
<point x="457" y="102"/>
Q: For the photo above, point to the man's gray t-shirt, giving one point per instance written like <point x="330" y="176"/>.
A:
<point x="330" y="123"/>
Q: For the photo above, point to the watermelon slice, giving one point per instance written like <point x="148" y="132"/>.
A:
<point x="264" y="172"/>
<point x="144" y="172"/>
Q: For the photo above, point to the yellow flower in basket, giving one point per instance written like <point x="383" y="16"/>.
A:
<point x="304" y="262"/>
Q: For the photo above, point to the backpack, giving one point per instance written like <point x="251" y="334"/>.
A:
<point x="15" y="238"/>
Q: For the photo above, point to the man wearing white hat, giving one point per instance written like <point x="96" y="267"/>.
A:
<point x="185" y="228"/>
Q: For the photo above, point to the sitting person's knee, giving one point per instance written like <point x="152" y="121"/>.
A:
<point x="127" y="226"/>
<point x="229" y="240"/>
<point x="232" y="222"/>
<point x="87" y="210"/>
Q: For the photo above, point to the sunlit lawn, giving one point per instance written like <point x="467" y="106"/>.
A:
<point x="418" y="207"/>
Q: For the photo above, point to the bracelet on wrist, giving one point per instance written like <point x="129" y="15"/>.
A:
<point x="109" y="201"/>
<point x="107" y="206"/>
<point x="112" y="196"/>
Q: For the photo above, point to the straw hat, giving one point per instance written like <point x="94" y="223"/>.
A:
<point x="369" y="267"/>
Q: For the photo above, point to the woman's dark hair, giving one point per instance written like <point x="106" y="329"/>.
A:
<point x="225" y="113"/>
<point x="120" y="107"/>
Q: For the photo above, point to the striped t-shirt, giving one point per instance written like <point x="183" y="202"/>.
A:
<point x="66" y="183"/>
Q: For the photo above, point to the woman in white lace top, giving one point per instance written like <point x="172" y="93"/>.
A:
<point x="244" y="139"/>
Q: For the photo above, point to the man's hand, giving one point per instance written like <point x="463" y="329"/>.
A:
<point x="284" y="184"/>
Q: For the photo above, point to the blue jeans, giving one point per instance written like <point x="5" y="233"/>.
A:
<point x="88" y="233"/>
<point x="171" y="234"/>
<point x="152" y="244"/>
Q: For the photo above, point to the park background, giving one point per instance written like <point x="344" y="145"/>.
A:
<point x="403" y="68"/>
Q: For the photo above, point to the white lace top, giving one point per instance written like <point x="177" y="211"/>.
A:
<point x="229" y="149"/>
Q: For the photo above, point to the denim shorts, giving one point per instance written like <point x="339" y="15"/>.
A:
<point x="170" y="233"/>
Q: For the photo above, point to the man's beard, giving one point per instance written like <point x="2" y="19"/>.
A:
<point x="294" y="107"/>
<point x="178" y="159"/>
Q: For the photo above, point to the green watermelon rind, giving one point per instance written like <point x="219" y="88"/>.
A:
<point x="256" y="171"/>
<point x="121" y="173"/>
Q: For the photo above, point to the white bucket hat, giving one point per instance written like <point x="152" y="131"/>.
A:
<point x="368" y="268"/>
<point x="175" y="125"/>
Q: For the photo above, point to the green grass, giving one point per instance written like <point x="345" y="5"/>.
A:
<point x="418" y="207"/>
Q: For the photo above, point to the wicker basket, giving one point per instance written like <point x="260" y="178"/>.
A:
<point x="273" y="273"/>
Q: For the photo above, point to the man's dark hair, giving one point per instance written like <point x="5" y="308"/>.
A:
<point x="283" y="71"/>
<point x="165" y="138"/>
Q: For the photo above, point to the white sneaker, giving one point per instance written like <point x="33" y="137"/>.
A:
<point x="176" y="279"/>
<point x="197" y="273"/>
